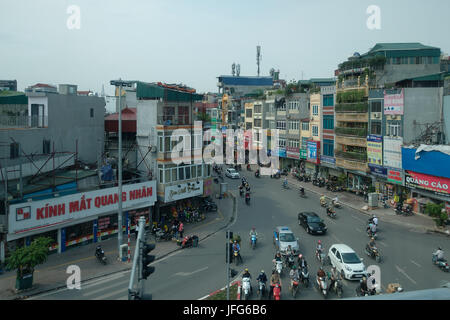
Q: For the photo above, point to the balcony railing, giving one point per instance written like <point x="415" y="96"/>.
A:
<point x="23" y="121"/>
<point x="359" y="156"/>
<point x="352" y="107"/>
<point x="359" y="132"/>
<point x="170" y="120"/>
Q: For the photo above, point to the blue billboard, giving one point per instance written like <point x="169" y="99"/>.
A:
<point x="433" y="163"/>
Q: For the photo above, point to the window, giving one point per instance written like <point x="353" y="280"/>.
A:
<point x="412" y="60"/>
<point x="375" y="127"/>
<point x="375" y="106"/>
<point x="257" y="108"/>
<point x="404" y="60"/>
<point x="14" y="150"/>
<point x="294" y="144"/>
<point x="248" y="113"/>
<point x="181" y="173"/>
<point x="328" y="100"/>
<point x="397" y="60"/>
<point x="305" y="126"/>
<point x="257" y="123"/>
<point x="271" y="124"/>
<point x="281" y="125"/>
<point x="293" y="105"/>
<point x="419" y="60"/>
<point x="328" y="122"/>
<point x="304" y="142"/>
<point x="315" y="110"/>
<point x="293" y="125"/>
<point x="393" y="129"/>
<point x="248" y="125"/>
<point x="92" y="112"/>
<point x="328" y="147"/>
<point x="315" y="131"/>
<point x="46" y="147"/>
<point x="281" y="143"/>
<point x="282" y="107"/>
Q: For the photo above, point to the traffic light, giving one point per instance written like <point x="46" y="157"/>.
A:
<point x="146" y="259"/>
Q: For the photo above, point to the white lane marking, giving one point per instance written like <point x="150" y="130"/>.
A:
<point x="111" y="294"/>
<point x="185" y="274"/>
<point x="358" y="218"/>
<point x="336" y="238"/>
<point x="123" y="282"/>
<point x="404" y="273"/>
<point x="330" y="220"/>
<point x="413" y="262"/>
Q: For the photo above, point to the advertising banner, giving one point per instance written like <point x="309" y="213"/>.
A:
<point x="293" y="153"/>
<point x="395" y="176"/>
<point x="378" y="170"/>
<point x="393" y="103"/>
<point x="392" y="152"/>
<point x="183" y="190"/>
<point x="375" y="150"/>
<point x="303" y="154"/>
<point x="36" y="215"/>
<point x="424" y="181"/>
<point x="313" y="151"/>
<point x="328" y="160"/>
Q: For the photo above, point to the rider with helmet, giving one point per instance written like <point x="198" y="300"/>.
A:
<point x="274" y="279"/>
<point x="439" y="254"/>
<point x="262" y="277"/>
<point x="302" y="261"/>
<point x="293" y="274"/>
<point x="335" y="275"/>
<point x="319" y="247"/>
<point x="246" y="274"/>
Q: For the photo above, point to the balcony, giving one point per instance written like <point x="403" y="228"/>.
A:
<point x="352" y="117"/>
<point x="351" y="141"/>
<point x="172" y="120"/>
<point x="351" y="164"/>
<point x="7" y="122"/>
<point x="357" y="156"/>
<point x="359" y="132"/>
<point x="356" y="107"/>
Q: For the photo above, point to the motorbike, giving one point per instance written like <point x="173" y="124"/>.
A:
<point x="261" y="292"/>
<point x="247" y="199"/>
<point x="331" y="213"/>
<point x="285" y="185"/>
<point x="257" y="174"/>
<point x="374" y="253"/>
<point x="253" y="241"/>
<point x="101" y="256"/>
<point x="237" y="257"/>
<point x="276" y="175"/>
<point x="338" y="288"/>
<point x="371" y="234"/>
<point x="248" y="168"/>
<point x="276" y="292"/>
<point x="322" y="286"/>
<point x="161" y="234"/>
<point x="442" y="264"/>
<point x="302" y="193"/>
<point x="315" y="182"/>
<point x="278" y="266"/>
<point x="364" y="293"/>
<point x="321" y="256"/>
<point x="305" y="276"/>
<point x="323" y="203"/>
<point x="294" y="287"/>
<point x="307" y="178"/>
<point x="246" y="288"/>
<point x="289" y="261"/>
<point x="336" y="204"/>
<point x="241" y="192"/>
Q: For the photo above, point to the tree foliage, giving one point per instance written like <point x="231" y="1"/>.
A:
<point x="435" y="210"/>
<point x="26" y="258"/>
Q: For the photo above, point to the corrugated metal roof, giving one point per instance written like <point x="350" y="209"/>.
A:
<point x="246" y="81"/>
<point x="14" y="99"/>
<point x="153" y="91"/>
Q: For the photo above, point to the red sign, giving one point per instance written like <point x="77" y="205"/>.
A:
<point x="293" y="153"/>
<point x="424" y="181"/>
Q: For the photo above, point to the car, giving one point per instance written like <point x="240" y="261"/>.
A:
<point x="346" y="262"/>
<point x="283" y="237"/>
<point x="312" y="223"/>
<point x="232" y="173"/>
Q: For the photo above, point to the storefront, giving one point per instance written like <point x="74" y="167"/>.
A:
<point x="312" y="157"/>
<point x="394" y="186"/>
<point x="328" y="169"/>
<point x="356" y="180"/>
<point x="78" y="218"/>
<point x="293" y="157"/>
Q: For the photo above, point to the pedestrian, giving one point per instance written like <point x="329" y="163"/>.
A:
<point x="181" y="229"/>
<point x="136" y="230"/>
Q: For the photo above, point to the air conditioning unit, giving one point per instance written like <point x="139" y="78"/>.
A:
<point x="376" y="115"/>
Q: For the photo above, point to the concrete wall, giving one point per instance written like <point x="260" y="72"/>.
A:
<point x="447" y="119"/>
<point x="421" y="105"/>
<point x="147" y="111"/>
<point x="393" y="73"/>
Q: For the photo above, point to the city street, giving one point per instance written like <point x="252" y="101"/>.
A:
<point x="195" y="272"/>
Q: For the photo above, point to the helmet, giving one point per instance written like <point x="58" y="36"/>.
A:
<point x="235" y="241"/>
<point x="439" y="248"/>
<point x="300" y="256"/>
<point x="373" y="216"/>
<point x="262" y="271"/>
<point x="364" y="278"/>
<point x="246" y="270"/>
<point x="294" y="267"/>
<point x="253" y="228"/>
<point x="319" y="242"/>
<point x="372" y="238"/>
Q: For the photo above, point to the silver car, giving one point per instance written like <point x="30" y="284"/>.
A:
<point x="284" y="237"/>
<point x="232" y="173"/>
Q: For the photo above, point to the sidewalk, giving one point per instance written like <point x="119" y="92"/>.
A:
<point x="52" y="274"/>
<point x="418" y="221"/>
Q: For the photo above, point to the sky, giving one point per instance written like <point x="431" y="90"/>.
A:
<point x="195" y="41"/>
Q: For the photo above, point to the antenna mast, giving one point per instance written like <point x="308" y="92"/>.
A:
<point x="258" y="56"/>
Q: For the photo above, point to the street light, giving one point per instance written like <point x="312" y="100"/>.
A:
<point x="119" y="83"/>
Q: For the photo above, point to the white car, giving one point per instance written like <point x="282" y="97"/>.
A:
<point x="346" y="262"/>
<point x="232" y="173"/>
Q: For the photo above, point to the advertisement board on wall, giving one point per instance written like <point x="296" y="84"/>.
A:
<point x="423" y="181"/>
<point x="329" y="161"/>
<point x="303" y="153"/>
<point x="392" y="152"/>
<point x="183" y="190"/>
<point x="293" y="153"/>
<point x="53" y="213"/>
<point x="313" y="151"/>
<point x="375" y="150"/>
<point x="393" y="103"/>
<point x="395" y="176"/>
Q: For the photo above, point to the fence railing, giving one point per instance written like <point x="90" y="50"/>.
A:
<point x="23" y="121"/>
<point x="171" y="120"/>
<point x="352" y="107"/>
<point x="360" y="156"/>
<point x="359" y="132"/>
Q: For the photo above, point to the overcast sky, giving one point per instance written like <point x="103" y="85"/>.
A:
<point x="194" y="41"/>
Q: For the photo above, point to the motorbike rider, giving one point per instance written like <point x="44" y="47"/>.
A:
<point x="334" y="275"/>
<point x="374" y="220"/>
<point x="302" y="261"/>
<point x="335" y="200"/>
<point x="319" y="247"/>
<point x="439" y="254"/>
<point x="278" y="256"/>
<point x="262" y="277"/>
<point x="241" y="189"/>
<point x="247" y="196"/>
<point x="363" y="286"/>
<point x="329" y="211"/>
<point x="274" y="279"/>
<point x="293" y="274"/>
<point x="246" y="274"/>
<point x="372" y="228"/>
<point x="302" y="191"/>
<point x="320" y="274"/>
<point x="237" y="247"/>
<point x="371" y="245"/>
<point x="322" y="199"/>
<point x="98" y="251"/>
<point x="285" y="182"/>
<point x="247" y="187"/>
<point x="253" y="232"/>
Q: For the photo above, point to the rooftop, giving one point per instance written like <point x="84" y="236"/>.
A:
<point x="246" y="80"/>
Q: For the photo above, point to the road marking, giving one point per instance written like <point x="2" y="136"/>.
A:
<point x="359" y="230"/>
<point x="90" y="293"/>
<point x="358" y="218"/>
<point x="404" y="273"/>
<point x="412" y="261"/>
<point x="110" y="294"/>
<point x="336" y="238"/>
<point x="185" y="274"/>
<point x="383" y="244"/>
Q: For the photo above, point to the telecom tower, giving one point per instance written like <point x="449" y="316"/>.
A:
<point x="258" y="56"/>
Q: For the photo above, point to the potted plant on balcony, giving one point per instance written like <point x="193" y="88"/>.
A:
<point x="26" y="258"/>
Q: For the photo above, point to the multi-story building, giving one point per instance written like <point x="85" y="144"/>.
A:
<point x="9" y="85"/>
<point x="327" y="159"/>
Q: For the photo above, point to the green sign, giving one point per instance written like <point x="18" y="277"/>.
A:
<point x="303" y="153"/>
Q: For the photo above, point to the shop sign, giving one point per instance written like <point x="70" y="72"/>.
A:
<point x="375" y="150"/>
<point x="51" y="213"/>
<point x="183" y="191"/>
<point x="378" y="171"/>
<point x="327" y="159"/>
<point x="280" y="152"/>
<point x="424" y="181"/>
<point x="303" y="154"/>
<point x="208" y="187"/>
<point x="393" y="103"/>
<point x="293" y="153"/>
<point x="392" y="152"/>
<point x="313" y="151"/>
<point x="395" y="176"/>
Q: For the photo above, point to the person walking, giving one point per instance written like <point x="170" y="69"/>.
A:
<point x="181" y="230"/>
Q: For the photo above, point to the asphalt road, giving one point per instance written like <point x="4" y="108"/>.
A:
<point x="195" y="272"/>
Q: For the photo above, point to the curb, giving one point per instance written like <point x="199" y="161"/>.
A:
<point x="232" y="283"/>
<point x="233" y="216"/>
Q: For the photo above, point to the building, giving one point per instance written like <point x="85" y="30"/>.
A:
<point x="8" y="85"/>
<point x="48" y="154"/>
<point x="239" y="86"/>
<point x="41" y="87"/>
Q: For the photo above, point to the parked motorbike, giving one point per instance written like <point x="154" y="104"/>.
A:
<point x="315" y="182"/>
<point x="101" y="256"/>
<point x="305" y="276"/>
<point x="253" y="241"/>
<point x="246" y="288"/>
<point x="161" y="234"/>
<point x="373" y="253"/>
<point x="261" y="292"/>
<point x="442" y="264"/>
<point x="322" y="286"/>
